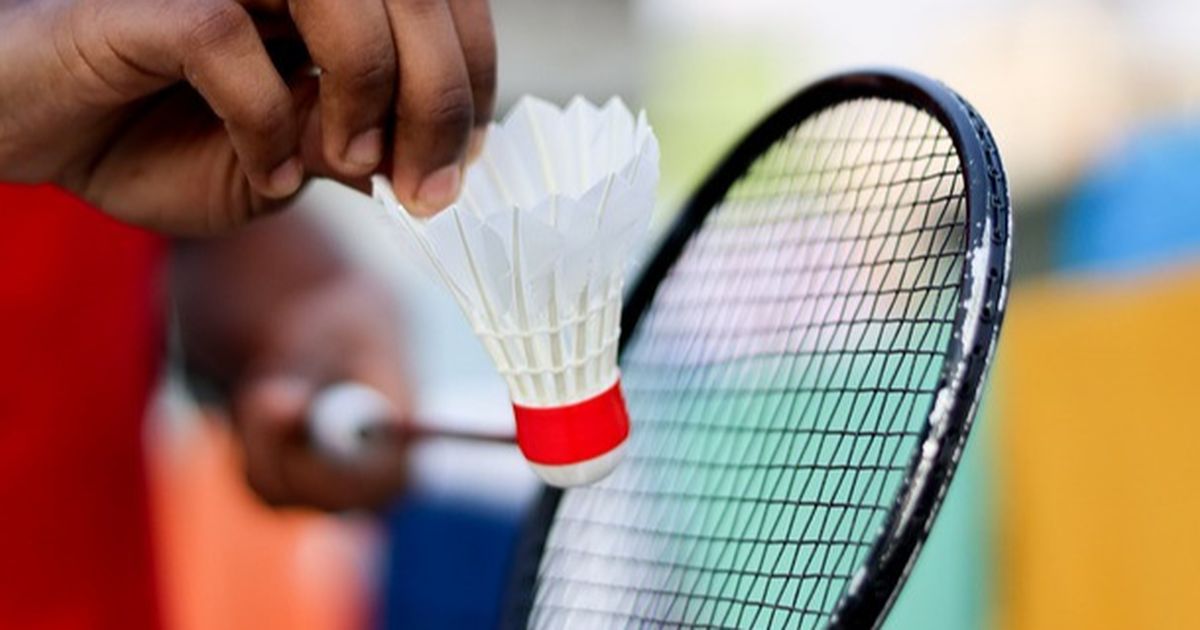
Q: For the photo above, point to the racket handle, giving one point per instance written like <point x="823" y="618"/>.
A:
<point x="347" y="420"/>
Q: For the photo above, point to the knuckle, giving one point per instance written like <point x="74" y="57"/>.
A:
<point x="423" y="7"/>
<point x="217" y="23"/>
<point x="370" y="73"/>
<point x="269" y="114"/>
<point x="449" y="107"/>
<point x="260" y="116"/>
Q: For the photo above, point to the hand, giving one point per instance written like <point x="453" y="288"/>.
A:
<point x="270" y="315"/>
<point x="333" y="334"/>
<point x="192" y="117"/>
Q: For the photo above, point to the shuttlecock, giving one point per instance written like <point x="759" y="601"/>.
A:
<point x="535" y="252"/>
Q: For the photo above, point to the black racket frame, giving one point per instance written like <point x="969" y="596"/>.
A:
<point x="989" y="226"/>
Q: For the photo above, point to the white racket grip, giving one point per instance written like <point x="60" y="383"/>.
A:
<point x="345" y="416"/>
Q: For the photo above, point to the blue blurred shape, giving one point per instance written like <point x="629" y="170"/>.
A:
<point x="448" y="561"/>
<point x="1138" y="209"/>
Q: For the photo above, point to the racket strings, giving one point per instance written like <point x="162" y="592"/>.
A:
<point x="835" y="505"/>
<point x="777" y="386"/>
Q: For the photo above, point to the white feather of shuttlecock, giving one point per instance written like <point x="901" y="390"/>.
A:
<point x="536" y="248"/>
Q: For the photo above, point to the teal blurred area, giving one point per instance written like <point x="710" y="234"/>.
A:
<point x="952" y="584"/>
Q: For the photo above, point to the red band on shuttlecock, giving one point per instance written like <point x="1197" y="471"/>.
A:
<point x="573" y="433"/>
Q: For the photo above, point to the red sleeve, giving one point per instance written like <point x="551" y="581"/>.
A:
<point x="80" y="339"/>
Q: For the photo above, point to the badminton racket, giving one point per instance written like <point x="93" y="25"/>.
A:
<point x="802" y="360"/>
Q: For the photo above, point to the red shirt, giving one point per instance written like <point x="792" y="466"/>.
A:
<point x="80" y="346"/>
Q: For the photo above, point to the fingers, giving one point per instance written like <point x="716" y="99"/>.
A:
<point x="422" y="69"/>
<point x="473" y="22"/>
<point x="351" y="41"/>
<point x="269" y="415"/>
<point x="339" y="331"/>
<point x="429" y="63"/>
<point x="285" y="470"/>
<point x="226" y="61"/>
<point x="434" y="110"/>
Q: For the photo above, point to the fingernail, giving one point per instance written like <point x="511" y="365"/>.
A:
<point x="365" y="150"/>
<point x="440" y="189"/>
<point x="286" y="178"/>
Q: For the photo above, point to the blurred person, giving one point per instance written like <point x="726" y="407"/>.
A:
<point x="191" y="118"/>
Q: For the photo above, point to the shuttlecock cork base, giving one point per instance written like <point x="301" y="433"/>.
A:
<point x="534" y="252"/>
<point x="577" y="443"/>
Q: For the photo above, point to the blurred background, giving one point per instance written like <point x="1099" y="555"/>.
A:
<point x="1075" y="503"/>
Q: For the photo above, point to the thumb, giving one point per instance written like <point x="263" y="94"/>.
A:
<point x="269" y="414"/>
<point x="273" y="403"/>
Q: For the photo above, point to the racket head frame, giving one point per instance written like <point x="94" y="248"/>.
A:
<point x="984" y="282"/>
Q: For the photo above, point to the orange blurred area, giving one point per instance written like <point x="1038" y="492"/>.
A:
<point x="227" y="561"/>
<point x="1098" y="506"/>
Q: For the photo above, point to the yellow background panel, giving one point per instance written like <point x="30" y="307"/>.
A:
<point x="1099" y="474"/>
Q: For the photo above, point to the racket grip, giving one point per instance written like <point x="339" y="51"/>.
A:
<point x="346" y="420"/>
